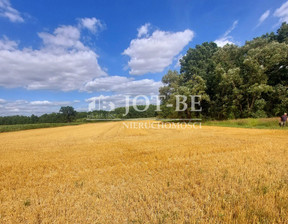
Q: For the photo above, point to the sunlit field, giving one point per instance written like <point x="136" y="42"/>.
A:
<point x="108" y="173"/>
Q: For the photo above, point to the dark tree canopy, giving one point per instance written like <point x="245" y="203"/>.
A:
<point x="68" y="113"/>
<point x="283" y="33"/>
<point x="234" y="82"/>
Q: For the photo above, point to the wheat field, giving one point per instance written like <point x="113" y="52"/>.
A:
<point x="108" y="173"/>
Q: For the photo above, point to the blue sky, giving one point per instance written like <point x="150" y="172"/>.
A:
<point x="57" y="53"/>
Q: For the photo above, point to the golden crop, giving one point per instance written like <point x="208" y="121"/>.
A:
<point x="108" y="173"/>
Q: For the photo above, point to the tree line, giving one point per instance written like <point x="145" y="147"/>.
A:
<point x="142" y="111"/>
<point x="65" y="114"/>
<point x="233" y="81"/>
<point x="68" y="114"/>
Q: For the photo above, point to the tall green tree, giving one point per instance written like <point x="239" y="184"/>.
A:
<point x="68" y="113"/>
<point x="235" y="82"/>
<point x="199" y="61"/>
<point x="283" y="33"/>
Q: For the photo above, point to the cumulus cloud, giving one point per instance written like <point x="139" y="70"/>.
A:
<point x="223" y="41"/>
<point x="226" y="39"/>
<point x="123" y="85"/>
<point x="143" y="30"/>
<point x="264" y="16"/>
<point x="24" y="107"/>
<point x="282" y="12"/>
<point x="62" y="63"/>
<point x="153" y="53"/>
<point x="43" y="102"/>
<point x="7" y="11"/>
<point x="64" y="37"/>
<point x="91" y="24"/>
<point x="118" y="88"/>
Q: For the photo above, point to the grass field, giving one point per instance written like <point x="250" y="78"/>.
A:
<point x="108" y="173"/>
<point x="259" y="123"/>
<point x="20" y="127"/>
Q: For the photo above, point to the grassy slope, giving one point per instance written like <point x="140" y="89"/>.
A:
<point x="258" y="123"/>
<point x="19" y="127"/>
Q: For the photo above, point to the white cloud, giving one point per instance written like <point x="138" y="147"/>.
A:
<point x="43" y="102"/>
<point x="264" y="16"/>
<point x="24" y="107"/>
<point x="7" y="11"/>
<point x="7" y="44"/>
<point x="152" y="54"/>
<point x="177" y="65"/>
<point x="124" y="85"/>
<point x="235" y="23"/>
<point x="109" y="83"/>
<point x="64" y="37"/>
<point x="223" y="41"/>
<point x="226" y="39"/>
<point x="118" y="88"/>
<point x="63" y="63"/>
<point x="91" y="24"/>
<point x="143" y="30"/>
<point x="282" y="12"/>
